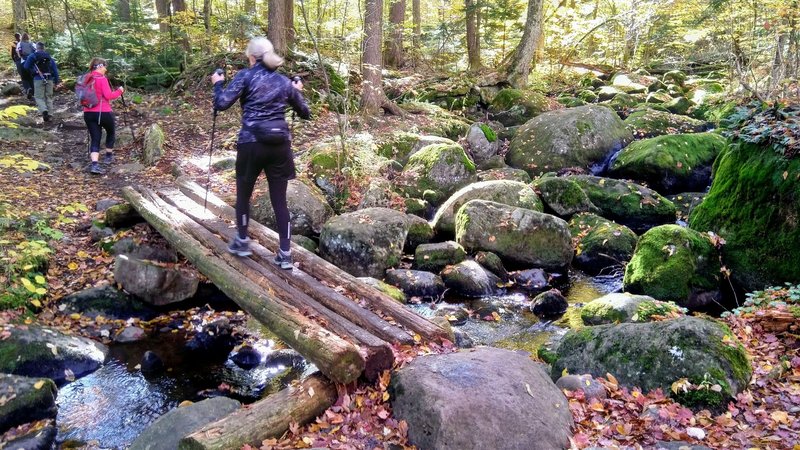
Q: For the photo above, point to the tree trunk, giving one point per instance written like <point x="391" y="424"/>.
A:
<point x="372" y="85"/>
<point x="207" y="14"/>
<point x="162" y="9"/>
<point x="280" y="29"/>
<point x="338" y="359"/>
<point x="323" y="270"/>
<point x="520" y="65"/>
<point x="416" y="12"/>
<point x="473" y="42"/>
<point x="777" y="72"/>
<point x="124" y="10"/>
<point x="20" y="11"/>
<point x="394" y="47"/>
<point x="265" y="418"/>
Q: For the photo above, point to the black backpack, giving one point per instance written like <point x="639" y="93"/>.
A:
<point x="42" y="65"/>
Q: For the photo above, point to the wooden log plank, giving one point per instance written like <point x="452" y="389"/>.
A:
<point x="265" y="418"/>
<point x="324" y="270"/>
<point x="327" y="296"/>
<point x="377" y="353"/>
<point x="336" y="358"/>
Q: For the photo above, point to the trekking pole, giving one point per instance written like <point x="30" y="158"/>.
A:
<point x="125" y="116"/>
<point x="211" y="147"/>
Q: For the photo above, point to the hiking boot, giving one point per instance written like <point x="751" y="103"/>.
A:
<point x="108" y="158"/>
<point x="95" y="169"/>
<point x="283" y="260"/>
<point x="29" y="94"/>
<point x="240" y="247"/>
<point x="46" y="116"/>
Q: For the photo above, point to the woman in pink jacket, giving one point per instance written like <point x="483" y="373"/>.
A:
<point x="100" y="116"/>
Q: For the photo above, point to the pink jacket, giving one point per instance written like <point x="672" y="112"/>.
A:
<point x="104" y="93"/>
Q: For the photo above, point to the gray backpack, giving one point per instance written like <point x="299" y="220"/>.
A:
<point x="25" y="49"/>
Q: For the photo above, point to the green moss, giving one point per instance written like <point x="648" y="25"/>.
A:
<point x="506" y="98"/>
<point x="670" y="262"/>
<point x="606" y="312"/>
<point x="754" y="205"/>
<point x="491" y="136"/>
<point x="398" y="145"/>
<point x="546" y="355"/>
<point x="646" y="310"/>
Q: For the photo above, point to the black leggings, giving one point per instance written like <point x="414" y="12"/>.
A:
<point x="96" y="122"/>
<point x="278" y="163"/>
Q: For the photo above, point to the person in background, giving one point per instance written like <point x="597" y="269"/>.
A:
<point x="15" y="56"/>
<point x="25" y="48"/>
<point x="265" y="143"/>
<point x="100" y="116"/>
<point x="45" y="78"/>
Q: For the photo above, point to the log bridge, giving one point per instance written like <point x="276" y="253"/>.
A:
<point x="337" y="322"/>
<point x="342" y="325"/>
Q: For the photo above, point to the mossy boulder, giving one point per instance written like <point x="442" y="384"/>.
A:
<point x="629" y="204"/>
<point x="482" y="143"/>
<point x="26" y="400"/>
<point x="625" y="307"/>
<point x="517" y="234"/>
<point x="563" y="196"/>
<point x="443" y="122"/>
<point x="678" y="105"/>
<point x="671" y="163"/>
<point x="380" y="193"/>
<point x="386" y="288"/>
<point x="587" y="96"/>
<point x="606" y="93"/>
<point x="504" y="173"/>
<point x="674" y="263"/>
<point x="654" y="355"/>
<point x="400" y="145"/>
<point x="308" y="208"/>
<point x="153" y="148"/>
<point x="439" y="168"/>
<point x="575" y="137"/>
<point x="122" y="215"/>
<point x="675" y="77"/>
<point x="365" y="242"/>
<point x="493" y="263"/>
<point x="513" y="193"/>
<point x="416" y="283"/>
<point x="515" y="107"/>
<point x="435" y="257"/>
<point x="623" y="102"/>
<point x="470" y="279"/>
<point x="601" y="245"/>
<point x="754" y="204"/>
<point x="649" y="122"/>
<point x="419" y="232"/>
<point x="43" y="352"/>
<point x="658" y="98"/>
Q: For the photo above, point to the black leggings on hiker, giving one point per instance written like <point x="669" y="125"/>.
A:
<point x="277" y="161"/>
<point x="96" y="122"/>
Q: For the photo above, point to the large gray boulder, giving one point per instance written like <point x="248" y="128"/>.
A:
<point x="648" y="122"/>
<point x="365" y="242"/>
<point x="482" y="143"/>
<point x="153" y="148"/>
<point x="435" y="172"/>
<point x="26" y="400"/>
<point x="444" y="400"/>
<point x="416" y="283"/>
<point x="574" y="137"/>
<point x="517" y="234"/>
<point x="507" y="192"/>
<point x="470" y="279"/>
<point x="169" y="429"/>
<point x="654" y="355"/>
<point x="308" y="208"/>
<point x="622" y="307"/>
<point x="435" y="257"/>
<point x="154" y="283"/>
<point x="43" y="352"/>
<point x="563" y="196"/>
<point x="635" y="206"/>
<point x="400" y="145"/>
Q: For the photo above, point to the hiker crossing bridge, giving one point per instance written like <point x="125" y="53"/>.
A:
<point x="339" y="323"/>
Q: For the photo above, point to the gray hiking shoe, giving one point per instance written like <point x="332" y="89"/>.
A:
<point x="240" y="247"/>
<point x="283" y="260"/>
<point x="108" y="158"/>
<point x="95" y="169"/>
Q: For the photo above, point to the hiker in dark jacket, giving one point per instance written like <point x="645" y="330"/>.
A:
<point x="45" y="77"/>
<point x="25" y="48"/>
<point x="265" y="143"/>
<point x="15" y="57"/>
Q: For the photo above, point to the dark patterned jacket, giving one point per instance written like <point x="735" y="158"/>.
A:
<point x="264" y="96"/>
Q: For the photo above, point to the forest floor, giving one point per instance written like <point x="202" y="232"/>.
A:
<point x="764" y="416"/>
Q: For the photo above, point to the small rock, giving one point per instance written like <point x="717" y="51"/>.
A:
<point x="591" y="388"/>
<point x="130" y="334"/>
<point x="106" y="203"/>
<point x="462" y="339"/>
<point x="534" y="280"/>
<point x="151" y="363"/>
<point x="247" y="357"/>
<point x="549" y="305"/>
<point x="97" y="234"/>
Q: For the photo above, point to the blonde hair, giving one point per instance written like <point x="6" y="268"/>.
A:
<point x="262" y="50"/>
